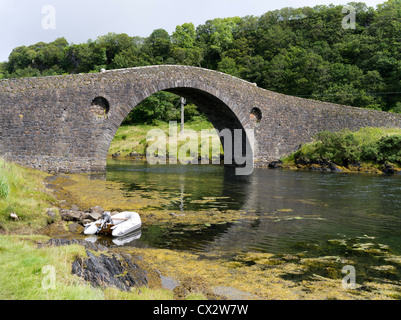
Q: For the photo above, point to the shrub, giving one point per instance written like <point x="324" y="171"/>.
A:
<point x="339" y="147"/>
<point x="390" y="149"/>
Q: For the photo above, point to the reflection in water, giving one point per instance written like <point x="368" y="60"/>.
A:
<point x="128" y="239"/>
<point x="291" y="207"/>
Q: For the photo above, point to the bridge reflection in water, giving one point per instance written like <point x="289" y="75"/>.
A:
<point x="280" y="210"/>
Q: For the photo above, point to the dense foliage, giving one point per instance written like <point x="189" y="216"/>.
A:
<point x="370" y="145"/>
<point x="304" y="52"/>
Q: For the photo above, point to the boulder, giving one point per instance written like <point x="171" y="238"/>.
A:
<point x="275" y="164"/>
<point x="92" y="216"/>
<point x="96" y="209"/>
<point x="389" y="169"/>
<point x="51" y="215"/>
<point x="333" y="167"/>
<point x="71" y="215"/>
<point x="116" y="269"/>
<point x="75" y="228"/>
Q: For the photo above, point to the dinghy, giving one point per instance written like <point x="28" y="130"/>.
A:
<point x="117" y="225"/>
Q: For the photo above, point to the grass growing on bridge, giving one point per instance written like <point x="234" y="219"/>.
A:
<point x="22" y="192"/>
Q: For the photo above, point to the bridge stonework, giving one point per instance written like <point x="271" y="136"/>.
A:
<point x="67" y="123"/>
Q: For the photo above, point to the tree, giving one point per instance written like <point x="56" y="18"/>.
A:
<point x="158" y="46"/>
<point x="228" y="65"/>
<point x="51" y="55"/>
<point x="184" y="35"/>
<point x="215" y="37"/>
<point x="296" y="51"/>
<point x="84" y="57"/>
<point x="20" y="58"/>
<point x="114" y="44"/>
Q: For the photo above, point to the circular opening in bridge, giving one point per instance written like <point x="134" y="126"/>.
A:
<point x="256" y="115"/>
<point x="100" y="106"/>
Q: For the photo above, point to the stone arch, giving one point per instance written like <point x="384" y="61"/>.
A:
<point x="222" y="114"/>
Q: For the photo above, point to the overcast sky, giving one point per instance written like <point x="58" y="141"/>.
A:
<point x="21" y="21"/>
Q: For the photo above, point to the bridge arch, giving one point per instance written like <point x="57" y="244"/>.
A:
<point x="66" y="123"/>
<point x="218" y="107"/>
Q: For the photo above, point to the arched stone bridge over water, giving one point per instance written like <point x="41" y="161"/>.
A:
<point x="66" y="123"/>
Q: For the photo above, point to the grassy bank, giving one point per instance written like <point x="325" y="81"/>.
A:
<point x="23" y="274"/>
<point x="372" y="149"/>
<point x="27" y="274"/>
<point x="133" y="139"/>
<point x="22" y="191"/>
<point x="26" y="268"/>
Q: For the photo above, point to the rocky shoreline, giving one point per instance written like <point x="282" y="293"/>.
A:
<point x="104" y="267"/>
<point x="327" y="166"/>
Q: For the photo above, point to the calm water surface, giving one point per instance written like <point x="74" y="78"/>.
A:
<point x="293" y="208"/>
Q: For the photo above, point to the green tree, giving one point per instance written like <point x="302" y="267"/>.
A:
<point x="184" y="35"/>
<point x="158" y="46"/>
<point x="114" y="44"/>
<point x="20" y="58"/>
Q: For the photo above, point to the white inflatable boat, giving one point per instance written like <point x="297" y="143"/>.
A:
<point x="117" y="225"/>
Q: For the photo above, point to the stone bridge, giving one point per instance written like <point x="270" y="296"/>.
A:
<point x="67" y="123"/>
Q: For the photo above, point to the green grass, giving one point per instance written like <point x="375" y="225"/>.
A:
<point x="23" y="274"/>
<point x="22" y="192"/>
<point x="368" y="145"/>
<point x="133" y="138"/>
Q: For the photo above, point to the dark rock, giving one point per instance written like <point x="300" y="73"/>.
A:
<point x="57" y="242"/>
<point x="333" y="167"/>
<point x="109" y="268"/>
<point x="316" y="167"/>
<point x="275" y="164"/>
<point x="302" y="162"/>
<point x="136" y="155"/>
<point x="117" y="269"/>
<point x="389" y="169"/>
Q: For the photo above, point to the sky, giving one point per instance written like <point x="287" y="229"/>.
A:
<point x="26" y="22"/>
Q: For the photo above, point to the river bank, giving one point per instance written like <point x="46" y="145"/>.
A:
<point x="369" y="150"/>
<point x="327" y="166"/>
<point x="314" y="271"/>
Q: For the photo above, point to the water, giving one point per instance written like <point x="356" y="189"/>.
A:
<point x="287" y="210"/>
